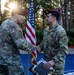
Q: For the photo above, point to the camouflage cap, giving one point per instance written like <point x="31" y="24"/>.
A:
<point x="20" y="11"/>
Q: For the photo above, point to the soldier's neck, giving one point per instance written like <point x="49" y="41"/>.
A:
<point x="15" y="18"/>
<point x="53" y="24"/>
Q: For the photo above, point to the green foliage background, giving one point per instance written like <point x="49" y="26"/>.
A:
<point x="39" y="36"/>
<point x="39" y="18"/>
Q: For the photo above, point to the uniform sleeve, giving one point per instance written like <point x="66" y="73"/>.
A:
<point x="41" y="45"/>
<point x="63" y="46"/>
<point x="18" y="38"/>
<point x="44" y="39"/>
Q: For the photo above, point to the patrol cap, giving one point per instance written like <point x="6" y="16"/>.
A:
<point x="53" y="12"/>
<point x="20" y="11"/>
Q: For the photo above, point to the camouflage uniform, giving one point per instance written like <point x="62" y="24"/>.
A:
<point x="11" y="40"/>
<point x="55" y="46"/>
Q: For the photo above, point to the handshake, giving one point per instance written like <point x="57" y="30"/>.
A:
<point x="38" y="49"/>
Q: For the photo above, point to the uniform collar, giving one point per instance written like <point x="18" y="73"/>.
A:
<point x="53" y="27"/>
<point x="12" y="19"/>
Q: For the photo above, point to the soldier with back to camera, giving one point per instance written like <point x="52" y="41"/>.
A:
<point x="11" y="40"/>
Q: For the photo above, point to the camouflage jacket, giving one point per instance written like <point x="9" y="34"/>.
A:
<point x="55" y="43"/>
<point x="11" y="40"/>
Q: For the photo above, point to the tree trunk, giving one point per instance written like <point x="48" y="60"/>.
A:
<point x="0" y="12"/>
<point x="71" y="14"/>
<point x="66" y="15"/>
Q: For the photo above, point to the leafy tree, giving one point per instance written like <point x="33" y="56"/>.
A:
<point x="39" y="5"/>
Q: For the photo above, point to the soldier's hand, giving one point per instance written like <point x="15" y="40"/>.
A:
<point x="49" y="64"/>
<point x="38" y="49"/>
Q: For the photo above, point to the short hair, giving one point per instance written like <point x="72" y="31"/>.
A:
<point x="20" y="11"/>
<point x="53" y="13"/>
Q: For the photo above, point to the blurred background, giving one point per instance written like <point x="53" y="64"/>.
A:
<point x="66" y="14"/>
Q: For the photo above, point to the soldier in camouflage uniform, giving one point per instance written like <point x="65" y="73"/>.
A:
<point x="11" y="41"/>
<point x="54" y="44"/>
